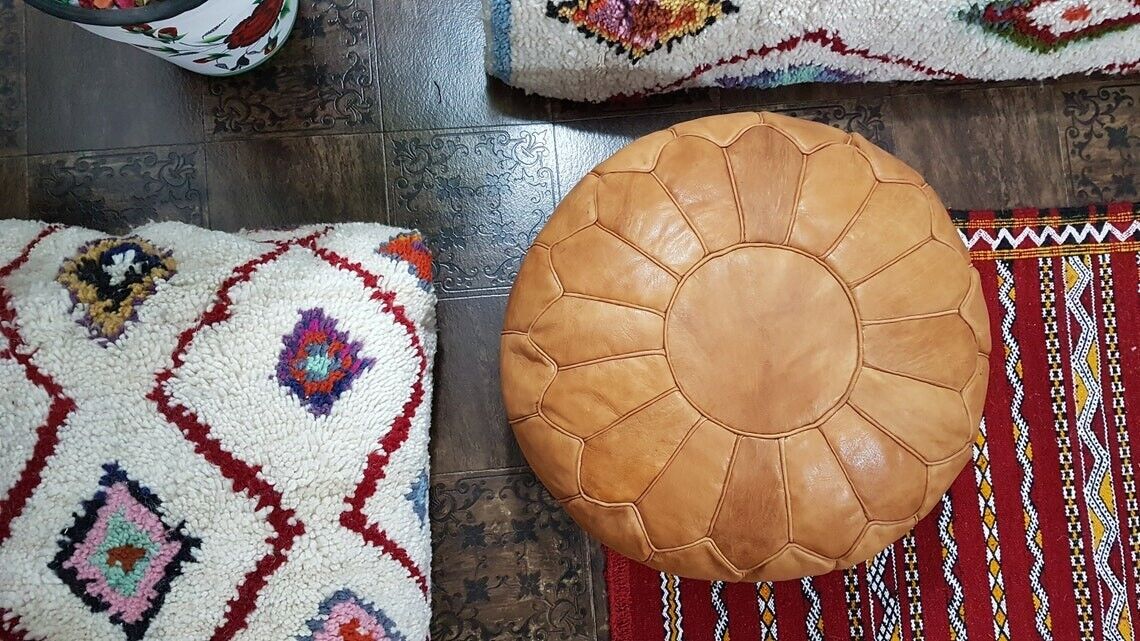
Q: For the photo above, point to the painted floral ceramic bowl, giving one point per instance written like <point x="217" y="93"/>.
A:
<point x="210" y="37"/>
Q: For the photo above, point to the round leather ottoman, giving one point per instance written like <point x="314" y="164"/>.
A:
<point x="749" y="347"/>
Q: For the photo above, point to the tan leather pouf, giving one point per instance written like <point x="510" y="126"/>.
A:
<point x="749" y="347"/>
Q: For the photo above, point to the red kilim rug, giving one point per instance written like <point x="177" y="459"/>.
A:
<point x="1040" y="537"/>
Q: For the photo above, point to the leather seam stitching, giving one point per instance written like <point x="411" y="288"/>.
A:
<point x="892" y="262"/>
<point x="850" y="223"/>
<point x="672" y="457"/>
<point x="846" y="477"/>
<point x="628" y="243"/>
<point x="724" y="490"/>
<point x="919" y="379"/>
<point x="735" y="192"/>
<point x="621" y="419"/>
<point x="796" y="202"/>
<point x="787" y="494"/>
<point x="611" y="359"/>
<point x="688" y="221"/>
<point x="912" y="317"/>
<point x="615" y="303"/>
<point x="898" y="441"/>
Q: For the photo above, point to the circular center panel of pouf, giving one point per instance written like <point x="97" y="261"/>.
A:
<point x="803" y="334"/>
<point x="748" y="347"/>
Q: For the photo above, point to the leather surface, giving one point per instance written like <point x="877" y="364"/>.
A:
<point x="749" y="347"/>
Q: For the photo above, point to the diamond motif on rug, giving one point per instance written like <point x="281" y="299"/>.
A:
<point x="109" y="279"/>
<point x="119" y="556"/>
<point x="410" y="248"/>
<point x="319" y="362"/>
<point x="346" y="617"/>
<point x="639" y="27"/>
<point x="1048" y="25"/>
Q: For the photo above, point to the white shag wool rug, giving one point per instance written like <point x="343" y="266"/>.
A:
<point x="206" y="436"/>
<point x="593" y="50"/>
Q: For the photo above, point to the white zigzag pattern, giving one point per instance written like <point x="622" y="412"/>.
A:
<point x="814" y="619"/>
<point x="1087" y="342"/>
<point x="1022" y="449"/>
<point x="956" y="601"/>
<point x="720" y="632"/>
<point x="671" y="602"/>
<point x="1050" y="235"/>
<point x="890" y="626"/>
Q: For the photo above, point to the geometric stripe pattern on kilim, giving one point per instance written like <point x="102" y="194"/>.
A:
<point x="1023" y="450"/>
<point x="886" y="628"/>
<point x="990" y="531"/>
<point x="720" y="632"/>
<point x="1064" y="445"/>
<point x="1098" y="489"/>
<point x="854" y="605"/>
<point x="766" y="602"/>
<point x="913" y="592"/>
<point x="1120" y="415"/>
<point x="671" y="606"/>
<point x="1028" y="233"/>
<point x="814" y="621"/>
<point x="956" y="603"/>
<point x="1053" y="460"/>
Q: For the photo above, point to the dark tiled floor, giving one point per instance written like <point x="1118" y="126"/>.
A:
<point x="323" y="82"/>
<point x="119" y="188"/>
<point x="13" y="125"/>
<point x="379" y="110"/>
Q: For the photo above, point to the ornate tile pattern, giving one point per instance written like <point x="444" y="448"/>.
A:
<point x="865" y="119"/>
<point x="12" y="99"/>
<point x="583" y="144"/>
<point x="1102" y="138"/>
<point x="517" y="567"/>
<point x="116" y="190"/>
<point x="480" y="196"/>
<point x="324" y="80"/>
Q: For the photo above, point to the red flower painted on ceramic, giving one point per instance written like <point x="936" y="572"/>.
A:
<point x="255" y="27"/>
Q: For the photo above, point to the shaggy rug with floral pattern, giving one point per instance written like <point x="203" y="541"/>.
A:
<point x="598" y="49"/>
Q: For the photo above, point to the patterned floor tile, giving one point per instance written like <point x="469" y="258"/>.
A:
<point x="115" y="190"/>
<point x="864" y="118"/>
<point x="432" y="74"/>
<point x="690" y="100"/>
<point x="983" y="148"/>
<point x="1102" y="141"/>
<point x="322" y="81"/>
<point x="479" y="195"/>
<point x="13" y="130"/>
<point x="14" y="187"/>
<point x="276" y="182"/>
<point x="583" y="144"/>
<point x="470" y="430"/>
<point x="510" y="564"/>
<point x="69" y="111"/>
